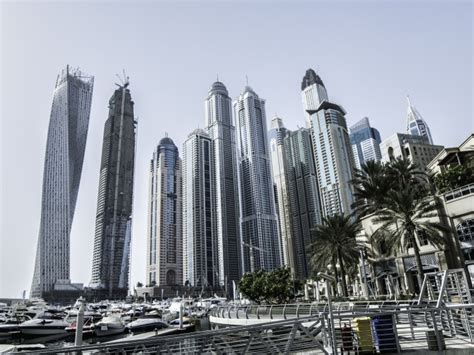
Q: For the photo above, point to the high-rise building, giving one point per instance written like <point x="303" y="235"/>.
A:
<point x="365" y="142"/>
<point x="414" y="148"/>
<point x="416" y="125"/>
<point x="165" y="244"/>
<point x="111" y="259"/>
<point x="66" y="142"/>
<point x="259" y="223"/>
<point x="276" y="135"/>
<point x="200" y="245"/>
<point x="331" y="146"/>
<point x="221" y="130"/>
<point x="303" y="192"/>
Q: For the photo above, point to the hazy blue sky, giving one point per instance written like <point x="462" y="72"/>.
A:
<point x="369" y="55"/>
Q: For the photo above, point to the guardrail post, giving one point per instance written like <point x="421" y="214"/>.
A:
<point x="297" y="311"/>
<point x="271" y="315"/>
<point x="410" y="321"/>
<point x="284" y="311"/>
<point x="435" y="327"/>
<point x="258" y="312"/>
<point x="395" y="333"/>
<point x="247" y="312"/>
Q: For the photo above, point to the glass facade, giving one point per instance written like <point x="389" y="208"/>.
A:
<point x="365" y="142"/>
<point x="66" y="142"/>
<point x="221" y="130"/>
<point x="331" y="148"/>
<point x="259" y="223"/>
<point x="164" y="247"/>
<point x="303" y="191"/>
<point x="416" y="125"/>
<point x="200" y="245"/>
<point x="276" y="136"/>
<point x="110" y="264"/>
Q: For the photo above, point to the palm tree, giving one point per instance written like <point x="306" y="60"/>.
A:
<point x="404" y="217"/>
<point x="335" y="240"/>
<point x="403" y="206"/>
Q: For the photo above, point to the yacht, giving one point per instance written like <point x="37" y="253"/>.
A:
<point x="109" y="325"/>
<point x="148" y="322"/>
<point x="44" y="325"/>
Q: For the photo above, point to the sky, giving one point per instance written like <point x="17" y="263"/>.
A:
<point x="370" y="55"/>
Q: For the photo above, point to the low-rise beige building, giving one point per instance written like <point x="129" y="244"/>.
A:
<point x="388" y="274"/>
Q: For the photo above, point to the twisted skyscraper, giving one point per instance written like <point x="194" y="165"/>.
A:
<point x="67" y="135"/>
<point x="111" y="258"/>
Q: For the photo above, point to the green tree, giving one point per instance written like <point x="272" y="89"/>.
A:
<point x="274" y="286"/>
<point x="453" y="178"/>
<point x="335" y="241"/>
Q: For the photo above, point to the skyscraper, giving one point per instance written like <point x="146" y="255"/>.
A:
<point x="66" y="142"/>
<point x="416" y="125"/>
<point x="303" y="192"/>
<point x="414" y="148"/>
<point x="200" y="245"/>
<point x="220" y="126"/>
<point x="365" y="142"/>
<point x="276" y="135"/>
<point x="331" y="145"/>
<point x="165" y="244"/>
<point x="259" y="224"/>
<point x="111" y="259"/>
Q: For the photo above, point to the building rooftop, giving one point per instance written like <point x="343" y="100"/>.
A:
<point x="310" y="78"/>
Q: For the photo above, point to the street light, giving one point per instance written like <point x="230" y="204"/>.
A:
<point x="328" y="279"/>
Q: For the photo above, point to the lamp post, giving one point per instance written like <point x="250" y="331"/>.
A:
<point x="363" y="278"/>
<point x="328" y="279"/>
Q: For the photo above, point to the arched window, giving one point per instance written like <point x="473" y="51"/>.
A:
<point x="465" y="231"/>
<point x="170" y="278"/>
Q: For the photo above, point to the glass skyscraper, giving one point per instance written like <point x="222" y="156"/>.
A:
<point x="221" y="130"/>
<point x="66" y="142"/>
<point x="164" y="244"/>
<point x="416" y="125"/>
<point x="331" y="145"/>
<point x="365" y="142"/>
<point x="276" y="135"/>
<point x="111" y="259"/>
<point x="303" y="192"/>
<point x="200" y="245"/>
<point x="258" y="219"/>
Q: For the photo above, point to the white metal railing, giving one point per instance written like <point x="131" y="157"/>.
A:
<point x="357" y="328"/>
<point x="459" y="192"/>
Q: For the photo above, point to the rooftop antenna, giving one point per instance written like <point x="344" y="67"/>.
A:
<point x="247" y="80"/>
<point x="123" y="80"/>
<point x="217" y="75"/>
<point x="166" y="134"/>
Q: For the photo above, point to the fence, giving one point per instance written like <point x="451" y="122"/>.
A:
<point x="355" y="327"/>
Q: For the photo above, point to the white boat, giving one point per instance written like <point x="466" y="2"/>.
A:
<point x="44" y="326"/>
<point x="147" y="322"/>
<point x="109" y="325"/>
